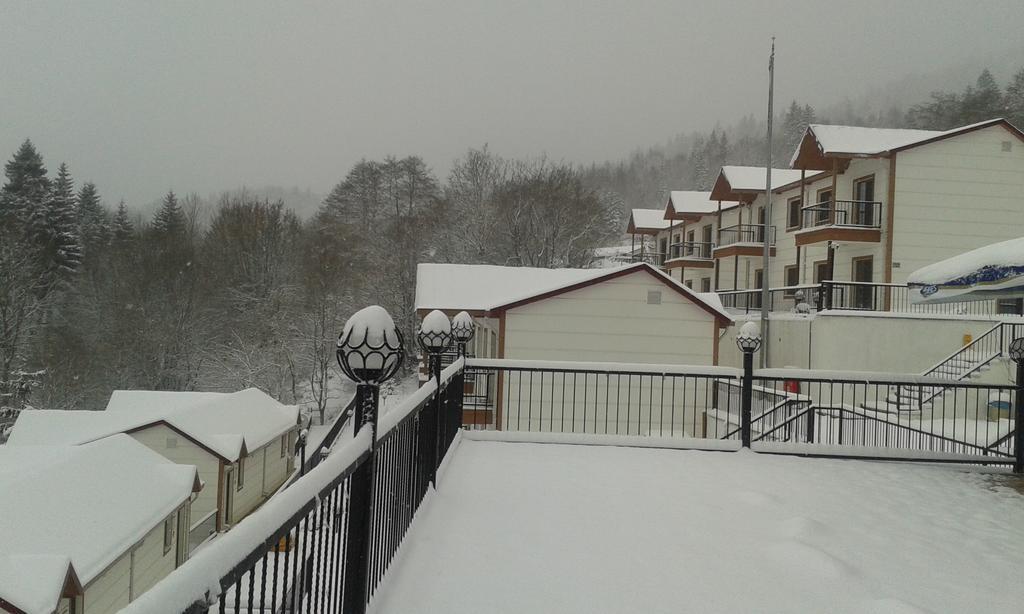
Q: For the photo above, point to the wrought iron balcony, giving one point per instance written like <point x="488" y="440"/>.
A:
<point x="692" y="250"/>
<point x="851" y="213"/>
<point x="745" y="233"/>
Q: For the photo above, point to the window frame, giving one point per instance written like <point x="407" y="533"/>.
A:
<point x="168" y="533"/>
<point x="796" y="200"/>
<point x="240" y="474"/>
<point x="785" y="279"/>
<point x="818" y="221"/>
<point x="705" y="284"/>
<point x="284" y="445"/>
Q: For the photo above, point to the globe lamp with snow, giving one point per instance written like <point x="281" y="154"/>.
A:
<point x="463" y="330"/>
<point x="370" y="352"/>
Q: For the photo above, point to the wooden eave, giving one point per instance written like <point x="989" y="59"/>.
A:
<point x="839" y="233"/>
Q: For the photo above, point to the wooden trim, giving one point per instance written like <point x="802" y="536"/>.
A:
<point x="785" y="277"/>
<point x="853" y="266"/>
<point x="452" y="311"/>
<point x="741" y="250"/>
<point x="839" y="233"/>
<point x="835" y="191"/>
<point x="664" y="279"/>
<point x="498" y="400"/>
<point x="814" y="270"/>
<point x="220" y="492"/>
<point x="716" y="335"/>
<point x="7" y="606"/>
<point x="965" y="130"/>
<point x="890" y="218"/>
<point x="687" y="262"/>
<point x="799" y="200"/>
<point x="142" y="427"/>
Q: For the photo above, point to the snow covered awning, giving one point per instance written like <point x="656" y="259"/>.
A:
<point x="690" y="205"/>
<point x="647" y="222"/>
<point x="70" y="511"/>
<point x="228" y="425"/>
<point x="993" y="271"/>
<point x="744" y="183"/>
<point x="822" y="144"/>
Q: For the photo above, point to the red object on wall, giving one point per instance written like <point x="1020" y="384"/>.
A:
<point x="791" y="386"/>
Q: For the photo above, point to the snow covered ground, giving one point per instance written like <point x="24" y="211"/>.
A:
<point x="522" y="527"/>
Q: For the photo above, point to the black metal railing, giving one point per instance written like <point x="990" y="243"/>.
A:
<point x="850" y="295"/>
<point x="854" y="416"/>
<point x="650" y="257"/>
<point x="698" y="250"/>
<point x="336" y="529"/>
<point x="855" y="213"/>
<point x="745" y="233"/>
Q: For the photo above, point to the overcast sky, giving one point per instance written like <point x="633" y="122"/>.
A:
<point x="202" y="96"/>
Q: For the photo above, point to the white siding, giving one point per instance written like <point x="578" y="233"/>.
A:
<point x="149" y="563"/>
<point x="612" y="321"/>
<point x="173" y="446"/>
<point x="955" y="195"/>
<point x="108" y="592"/>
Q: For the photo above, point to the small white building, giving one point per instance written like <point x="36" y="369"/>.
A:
<point x="86" y="529"/>
<point x="242" y="443"/>
<point x="633" y="313"/>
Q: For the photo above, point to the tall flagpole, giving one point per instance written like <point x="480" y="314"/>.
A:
<point x="765" y="271"/>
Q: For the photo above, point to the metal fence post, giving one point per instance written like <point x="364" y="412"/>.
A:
<point x="747" y="397"/>
<point x="360" y="511"/>
<point x="1017" y="353"/>
<point x="439" y="417"/>
<point x="810" y="423"/>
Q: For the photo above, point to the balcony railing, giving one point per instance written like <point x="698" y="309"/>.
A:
<point x="650" y="257"/>
<point x="745" y="233"/>
<point x="854" y="213"/>
<point x="699" y="250"/>
<point x="849" y="295"/>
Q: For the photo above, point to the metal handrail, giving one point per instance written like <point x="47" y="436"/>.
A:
<point x="691" y="249"/>
<point x="745" y="233"/>
<point x="839" y="213"/>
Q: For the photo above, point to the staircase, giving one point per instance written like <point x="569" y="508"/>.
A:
<point x="968" y="362"/>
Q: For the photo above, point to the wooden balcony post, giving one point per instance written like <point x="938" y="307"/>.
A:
<point x="835" y="181"/>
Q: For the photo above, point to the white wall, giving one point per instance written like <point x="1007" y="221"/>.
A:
<point x="108" y="592"/>
<point x="856" y="342"/>
<point x="955" y="195"/>
<point x="173" y="446"/>
<point x="612" y="322"/>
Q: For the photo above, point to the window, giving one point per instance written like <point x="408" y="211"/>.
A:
<point x="792" y="278"/>
<point x="241" y="473"/>
<point x="690" y="248"/>
<point x="821" y="210"/>
<point x="863" y="212"/>
<point x="168" y="533"/>
<point x="284" y="445"/>
<point x="705" y="250"/>
<point x="1013" y="306"/>
<point x="705" y="284"/>
<point x="662" y="250"/>
<point x="821" y="271"/>
<point x="793" y="213"/>
<point x="688" y="283"/>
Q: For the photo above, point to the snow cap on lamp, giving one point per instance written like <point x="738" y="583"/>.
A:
<point x="462" y="327"/>
<point x="370" y="346"/>
<point x="749" y="337"/>
<point x="435" y="334"/>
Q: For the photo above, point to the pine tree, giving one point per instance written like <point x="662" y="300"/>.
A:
<point x="983" y="101"/>
<point x="169" y="221"/>
<point x="26" y="188"/>
<point x="123" y="230"/>
<point x="93" y="219"/>
<point x="699" y="163"/>
<point x="54" y="227"/>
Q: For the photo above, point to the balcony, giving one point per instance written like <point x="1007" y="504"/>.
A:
<point x="694" y="254"/>
<point x="857" y="221"/>
<point x="743" y="240"/>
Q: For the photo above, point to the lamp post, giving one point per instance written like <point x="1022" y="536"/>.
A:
<point x="435" y="338"/>
<point x="748" y="341"/>
<point x="1017" y="355"/>
<point x="370" y="352"/>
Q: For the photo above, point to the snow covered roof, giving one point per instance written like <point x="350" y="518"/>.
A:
<point x="483" y="288"/>
<point x="688" y="202"/>
<point x="857" y="141"/>
<point x="477" y="287"/>
<point x="228" y="424"/>
<point x="73" y="510"/>
<point x="647" y="221"/>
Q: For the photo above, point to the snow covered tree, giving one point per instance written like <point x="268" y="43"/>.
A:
<point x="122" y="229"/>
<point x="169" y="221"/>
<point x="1013" y="100"/>
<point x="93" y="220"/>
<point x="54" y="228"/>
<point x="981" y="102"/>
